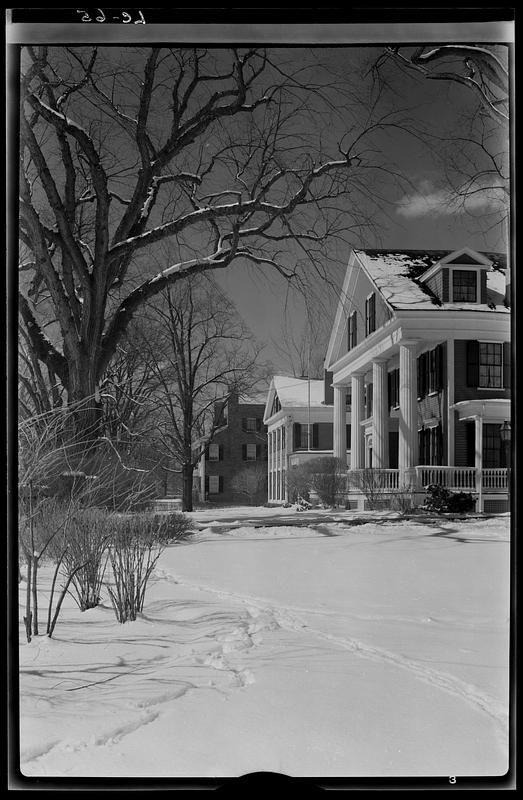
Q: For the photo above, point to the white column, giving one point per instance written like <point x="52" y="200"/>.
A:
<point x="288" y="430"/>
<point x="380" y="415"/>
<point x="278" y="463"/>
<point x="340" y="416"/>
<point x="478" y="460"/>
<point x="450" y="401"/>
<point x="408" y="420"/>
<point x="356" y="441"/>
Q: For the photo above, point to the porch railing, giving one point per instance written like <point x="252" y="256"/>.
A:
<point x="457" y="479"/>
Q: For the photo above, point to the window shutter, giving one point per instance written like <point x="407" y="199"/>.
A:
<point x="206" y="483"/>
<point x="370" y="389"/>
<point x="439" y="367"/>
<point x="315" y="434"/>
<point x="244" y="423"/>
<point x="207" y="453"/>
<point x="472" y="363"/>
<point x="258" y="451"/>
<point x="445" y="285"/>
<point x="220" y="483"/>
<point x="389" y="389"/>
<point x="355" y="329"/>
<point x="220" y="452"/>
<point x="439" y="445"/>
<point x="349" y="333"/>
<point x="470" y="438"/>
<point x="347" y="437"/>
<point x="258" y="424"/>
<point x="244" y="452"/>
<point x="297" y="435"/>
<point x="506" y="365"/>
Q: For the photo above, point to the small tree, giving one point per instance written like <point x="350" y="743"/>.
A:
<point x="251" y="482"/>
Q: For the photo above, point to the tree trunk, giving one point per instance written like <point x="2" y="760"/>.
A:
<point x="84" y="400"/>
<point x="187" y="473"/>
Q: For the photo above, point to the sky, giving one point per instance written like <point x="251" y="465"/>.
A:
<point x="411" y="215"/>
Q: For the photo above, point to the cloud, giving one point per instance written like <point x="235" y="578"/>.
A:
<point x="431" y="201"/>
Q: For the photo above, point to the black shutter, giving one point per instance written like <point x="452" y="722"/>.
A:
<point x="244" y="423"/>
<point x="220" y="483"/>
<point x="439" y="445"/>
<point x="297" y="435"/>
<point x="506" y="365"/>
<point x="258" y="451"/>
<point x="348" y="334"/>
<point x="220" y="452"/>
<point x="207" y="453"/>
<point x="207" y="484"/>
<point x="439" y="368"/>
<point x="472" y="363"/>
<point x="244" y="452"/>
<point x="355" y="329"/>
<point x="389" y="390"/>
<point x="258" y="424"/>
<point x="347" y="437"/>
<point x="315" y="434"/>
<point x="445" y="285"/>
<point x="470" y="438"/>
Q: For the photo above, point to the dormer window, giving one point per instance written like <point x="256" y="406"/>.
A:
<point x="464" y="286"/>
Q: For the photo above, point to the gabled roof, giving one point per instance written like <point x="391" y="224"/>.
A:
<point x="294" y="393"/>
<point x="396" y="273"/>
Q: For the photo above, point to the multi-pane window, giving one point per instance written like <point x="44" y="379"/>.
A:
<point x="250" y="452"/>
<point x="431" y="446"/>
<point x="352" y="331"/>
<point x="490" y="365"/>
<point x="492" y="450"/>
<point x="464" y="286"/>
<point x="214" y="484"/>
<point x="249" y="424"/>
<point x="430" y="371"/>
<point x="394" y="388"/>
<point x="370" y="314"/>
<point x="214" y="452"/>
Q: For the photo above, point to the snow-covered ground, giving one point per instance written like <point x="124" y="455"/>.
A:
<point x="315" y="645"/>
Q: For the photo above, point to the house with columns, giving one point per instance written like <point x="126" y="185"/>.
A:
<point x="421" y="346"/>
<point x="299" y="419"/>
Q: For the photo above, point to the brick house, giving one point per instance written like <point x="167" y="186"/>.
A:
<point x="421" y="345"/>
<point x="240" y="441"/>
<point x="299" y="419"/>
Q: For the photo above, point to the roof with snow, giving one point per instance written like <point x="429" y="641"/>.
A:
<point x="397" y="274"/>
<point x="294" y="392"/>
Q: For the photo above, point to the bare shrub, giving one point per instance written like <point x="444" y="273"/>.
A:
<point x="372" y="483"/>
<point x="327" y="478"/>
<point x="251" y="482"/>
<point x="85" y="555"/>
<point x="134" y="550"/>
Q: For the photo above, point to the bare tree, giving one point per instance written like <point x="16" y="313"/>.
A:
<point x="202" y="350"/>
<point x="474" y="152"/>
<point x="227" y="154"/>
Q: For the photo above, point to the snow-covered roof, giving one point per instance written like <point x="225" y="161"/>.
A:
<point x="397" y="273"/>
<point x="294" y="392"/>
